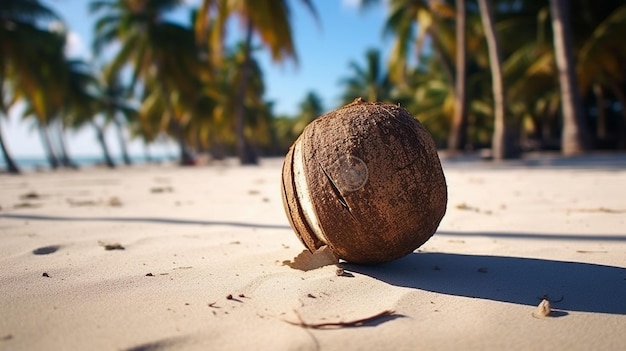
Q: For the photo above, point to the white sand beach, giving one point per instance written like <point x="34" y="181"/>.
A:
<point x="204" y="250"/>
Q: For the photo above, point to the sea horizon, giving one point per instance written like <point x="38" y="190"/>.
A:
<point x="36" y="162"/>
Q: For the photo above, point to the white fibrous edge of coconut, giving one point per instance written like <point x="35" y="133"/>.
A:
<point x="302" y="191"/>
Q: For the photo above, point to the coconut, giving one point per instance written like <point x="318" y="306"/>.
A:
<point x="366" y="181"/>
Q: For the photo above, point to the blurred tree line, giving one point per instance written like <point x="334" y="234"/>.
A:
<point x="509" y="75"/>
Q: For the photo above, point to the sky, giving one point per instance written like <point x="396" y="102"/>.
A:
<point x="324" y="50"/>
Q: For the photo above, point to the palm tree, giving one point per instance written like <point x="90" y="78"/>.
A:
<point x="310" y="108"/>
<point x="574" y="138"/>
<point x="59" y="129"/>
<point x="269" y="19"/>
<point x="258" y="114"/>
<point x="411" y="22"/>
<point x="370" y="82"/>
<point x="117" y="109"/>
<point x="286" y="129"/>
<point x="19" y="21"/>
<point x="501" y="144"/>
<point x="457" y="137"/>
<point x="600" y="72"/>
<point x="11" y="165"/>
<point x="84" y="102"/>
<point x="38" y="83"/>
<point x="429" y="97"/>
<point x="533" y="94"/>
<point x="4" y="107"/>
<point x="219" y="100"/>
<point x="426" y="19"/>
<point x="147" y="43"/>
<point x="528" y="69"/>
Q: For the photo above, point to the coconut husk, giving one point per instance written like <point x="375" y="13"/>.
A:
<point x="365" y="180"/>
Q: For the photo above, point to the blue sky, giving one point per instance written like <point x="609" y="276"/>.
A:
<point x="324" y="51"/>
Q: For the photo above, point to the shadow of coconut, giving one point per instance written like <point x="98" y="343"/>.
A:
<point x="542" y="160"/>
<point x="571" y="286"/>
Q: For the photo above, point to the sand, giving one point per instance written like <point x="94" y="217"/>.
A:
<point x="196" y="261"/>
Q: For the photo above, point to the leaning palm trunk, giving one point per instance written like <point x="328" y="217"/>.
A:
<point x="574" y="139"/>
<point x="11" y="165"/>
<point x="601" y="121"/>
<point x="66" y="161"/>
<point x="457" y="137"/>
<point x="244" y="151"/>
<point x="108" y="160"/>
<point x="501" y="142"/>
<point x="177" y="129"/>
<point x="122" y="140"/>
<point x="146" y="152"/>
<point x="621" y="97"/>
<point x="185" y="156"/>
<point x="47" y="146"/>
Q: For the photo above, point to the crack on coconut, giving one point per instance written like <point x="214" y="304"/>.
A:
<point x="337" y="193"/>
<point x="416" y="160"/>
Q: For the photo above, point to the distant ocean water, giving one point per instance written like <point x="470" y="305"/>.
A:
<point x="35" y="163"/>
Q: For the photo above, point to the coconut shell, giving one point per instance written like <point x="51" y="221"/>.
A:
<point x="365" y="180"/>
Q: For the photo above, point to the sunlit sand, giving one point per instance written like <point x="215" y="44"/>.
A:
<point x="202" y="258"/>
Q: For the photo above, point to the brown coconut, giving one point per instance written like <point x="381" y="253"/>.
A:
<point x="365" y="180"/>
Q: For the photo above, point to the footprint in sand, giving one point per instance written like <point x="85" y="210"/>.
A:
<point x="46" y="250"/>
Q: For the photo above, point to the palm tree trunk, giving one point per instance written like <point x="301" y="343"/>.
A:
<point x="458" y="132"/>
<point x="574" y="138"/>
<point x="501" y="142"/>
<point x="444" y="60"/>
<point x="103" y="144"/>
<point x="601" y="117"/>
<point x="66" y="161"/>
<point x="185" y="156"/>
<point x="186" y="159"/>
<point x="146" y="153"/>
<point x="621" y="97"/>
<point x="546" y="130"/>
<point x="11" y="165"/>
<point x="244" y="151"/>
<point x="122" y="140"/>
<point x="47" y="146"/>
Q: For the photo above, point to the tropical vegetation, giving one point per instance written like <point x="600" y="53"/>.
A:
<point x="506" y="75"/>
